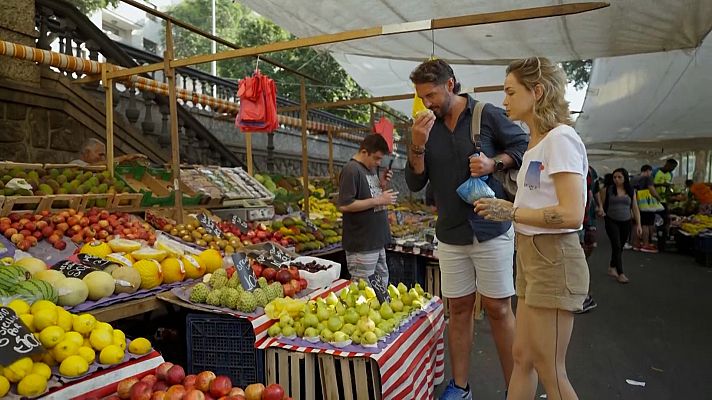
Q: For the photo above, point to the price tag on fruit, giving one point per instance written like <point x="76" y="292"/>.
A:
<point x="16" y="341"/>
<point x="94" y="261"/>
<point x="244" y="271"/>
<point x="309" y="223"/>
<point x="380" y="287"/>
<point x="210" y="226"/>
<point x="276" y="254"/>
<point x="71" y="269"/>
<point x="241" y="225"/>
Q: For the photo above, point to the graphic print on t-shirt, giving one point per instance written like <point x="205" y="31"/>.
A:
<point x="532" y="180"/>
<point x="374" y="185"/>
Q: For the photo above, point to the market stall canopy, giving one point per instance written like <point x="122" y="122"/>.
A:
<point x="656" y="103"/>
<point x="381" y="65"/>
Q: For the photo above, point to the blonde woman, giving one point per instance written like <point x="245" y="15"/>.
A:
<point x="552" y="274"/>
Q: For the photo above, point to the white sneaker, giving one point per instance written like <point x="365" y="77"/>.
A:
<point x="627" y="246"/>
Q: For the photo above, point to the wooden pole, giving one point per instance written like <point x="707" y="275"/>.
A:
<point x="331" y="153"/>
<point x="394" y="29"/>
<point x="248" y="146"/>
<point x="169" y="72"/>
<point x="305" y="152"/>
<point x="109" y="99"/>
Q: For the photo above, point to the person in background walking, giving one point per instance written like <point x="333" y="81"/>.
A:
<point x="619" y="204"/>
<point x="648" y="204"/>
<point x="587" y="235"/>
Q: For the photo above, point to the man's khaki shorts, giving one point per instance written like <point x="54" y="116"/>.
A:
<point x="551" y="271"/>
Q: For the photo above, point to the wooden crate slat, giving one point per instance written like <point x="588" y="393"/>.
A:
<point x="295" y="387"/>
<point x="310" y="377"/>
<point x="361" y="379"/>
<point x="346" y="378"/>
<point x="329" y="383"/>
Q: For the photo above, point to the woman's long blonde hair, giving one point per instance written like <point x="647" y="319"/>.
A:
<point x="551" y="109"/>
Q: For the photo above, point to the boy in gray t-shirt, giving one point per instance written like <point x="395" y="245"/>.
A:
<point x="363" y="201"/>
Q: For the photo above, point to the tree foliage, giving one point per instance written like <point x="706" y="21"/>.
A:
<point x="578" y="72"/>
<point x="241" y="26"/>
<point x="87" y="6"/>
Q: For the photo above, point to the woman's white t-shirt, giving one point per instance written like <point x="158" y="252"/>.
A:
<point x="561" y="150"/>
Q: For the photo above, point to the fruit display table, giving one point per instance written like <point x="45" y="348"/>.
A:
<point x="408" y="367"/>
<point x="102" y="383"/>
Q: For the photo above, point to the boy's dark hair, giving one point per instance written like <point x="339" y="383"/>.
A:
<point x="671" y="161"/>
<point x="646" y="168"/>
<point x="373" y="143"/>
<point x="435" y="71"/>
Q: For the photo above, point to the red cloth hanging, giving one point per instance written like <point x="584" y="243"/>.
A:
<point x="384" y="127"/>
<point x="258" y="104"/>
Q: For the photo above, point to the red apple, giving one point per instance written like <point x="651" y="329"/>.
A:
<point x="220" y="386"/>
<point x="194" y="394"/>
<point x="288" y="290"/>
<point x="63" y="226"/>
<point x="74" y="229"/>
<point x="102" y="234"/>
<point x="294" y="271"/>
<point x="160" y="385"/>
<point x="269" y="274"/>
<point x="124" y="387"/>
<point x="189" y="381"/>
<point x="158" y="395"/>
<point x="14" y="217"/>
<point x="103" y="223"/>
<point x="175" y="375"/>
<point x="175" y="392"/>
<point x="141" y="391"/>
<point x="273" y="392"/>
<point x="84" y="222"/>
<point x="26" y="232"/>
<point x="150" y="379"/>
<point x="60" y="245"/>
<point x="303" y="283"/>
<point x="10" y="232"/>
<point x="93" y="219"/>
<point x="236" y="391"/>
<point x="162" y="370"/>
<point x="41" y="224"/>
<point x="283" y="276"/>
<point x="30" y="226"/>
<point x="47" y="231"/>
<point x="296" y="285"/>
<point x="203" y="380"/>
<point x="37" y="235"/>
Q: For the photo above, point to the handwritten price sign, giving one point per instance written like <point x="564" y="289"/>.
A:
<point x="94" y="262"/>
<point x="380" y="287"/>
<point x="241" y="225"/>
<point x="244" y="271"/>
<point x="16" y="341"/>
<point x="209" y="225"/>
<point x="309" y="223"/>
<point x="73" y="270"/>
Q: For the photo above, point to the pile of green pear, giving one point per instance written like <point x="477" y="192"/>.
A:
<point x="353" y="316"/>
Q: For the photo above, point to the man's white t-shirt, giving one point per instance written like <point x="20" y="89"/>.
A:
<point x="561" y="150"/>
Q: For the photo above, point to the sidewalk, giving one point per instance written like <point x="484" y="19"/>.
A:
<point x="657" y="330"/>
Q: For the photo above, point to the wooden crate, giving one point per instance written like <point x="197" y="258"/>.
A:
<point x="84" y="203"/>
<point x="93" y="168"/>
<point x="432" y="284"/>
<point x="294" y="371"/>
<point x="355" y="378"/>
<point x="126" y="201"/>
<point x="11" y="165"/>
<point x="57" y="202"/>
<point x="20" y="204"/>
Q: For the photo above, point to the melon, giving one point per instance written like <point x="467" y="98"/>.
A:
<point x="35" y="289"/>
<point x="127" y="280"/>
<point x="149" y="253"/>
<point x="151" y="273"/>
<point x="72" y="291"/>
<point x="119" y="245"/>
<point x="11" y="276"/>
<point x="194" y="267"/>
<point x="51" y="276"/>
<point x="32" y="265"/>
<point x="100" y="285"/>
<point x="96" y="248"/>
<point x="123" y="259"/>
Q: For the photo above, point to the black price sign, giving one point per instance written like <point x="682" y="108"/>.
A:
<point x="380" y="287"/>
<point x="16" y="341"/>
<point x="309" y="223"/>
<point x="210" y="226"/>
<point x="400" y="218"/>
<point x="73" y="270"/>
<point x="94" y="261"/>
<point x="276" y="254"/>
<point x="241" y="225"/>
<point x="244" y="271"/>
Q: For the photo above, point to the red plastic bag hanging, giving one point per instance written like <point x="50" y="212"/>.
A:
<point x="384" y="127"/>
<point x="258" y="104"/>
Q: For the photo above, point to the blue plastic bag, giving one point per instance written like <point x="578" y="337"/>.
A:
<point x="474" y="189"/>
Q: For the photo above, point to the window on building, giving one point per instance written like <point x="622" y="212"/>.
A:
<point x="150" y="46"/>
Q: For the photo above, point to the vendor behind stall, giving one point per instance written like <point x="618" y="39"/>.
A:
<point x="93" y="152"/>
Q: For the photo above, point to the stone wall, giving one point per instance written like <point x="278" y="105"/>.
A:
<point x="17" y="24"/>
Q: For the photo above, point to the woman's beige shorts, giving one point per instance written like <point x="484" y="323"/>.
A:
<point x="551" y="271"/>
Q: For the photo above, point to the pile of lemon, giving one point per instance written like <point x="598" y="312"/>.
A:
<point x="71" y="341"/>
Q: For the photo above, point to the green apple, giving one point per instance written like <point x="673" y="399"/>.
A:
<point x="288" y="331"/>
<point x="365" y="324"/>
<point x="285" y="320"/>
<point x="363" y="309"/>
<point x="322" y="313"/>
<point x="340" y="336"/>
<point x="334" y="323"/>
<point x="369" y="338"/>
<point x="274" y="330"/>
<point x="311" y="332"/>
<point x="349" y="329"/>
<point x="310" y="320"/>
<point x="356" y="337"/>
<point x="379" y="332"/>
<point x="327" y="335"/>
<point x="375" y="316"/>
<point x="351" y="316"/>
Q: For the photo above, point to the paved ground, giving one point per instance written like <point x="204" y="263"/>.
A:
<point x="657" y="329"/>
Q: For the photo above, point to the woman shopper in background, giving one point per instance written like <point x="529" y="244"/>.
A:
<point x="620" y="204"/>
<point x="552" y="274"/>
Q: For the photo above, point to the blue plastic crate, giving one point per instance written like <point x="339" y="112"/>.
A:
<point x="406" y="268"/>
<point x="224" y="345"/>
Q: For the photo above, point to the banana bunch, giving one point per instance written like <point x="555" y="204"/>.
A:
<point x="321" y="208"/>
<point x="697" y="224"/>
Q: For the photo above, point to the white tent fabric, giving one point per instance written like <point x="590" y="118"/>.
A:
<point x="626" y="27"/>
<point x="650" y="102"/>
<point x="388" y="77"/>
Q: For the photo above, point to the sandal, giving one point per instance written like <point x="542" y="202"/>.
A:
<point x="612" y="272"/>
<point x="623" y="279"/>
